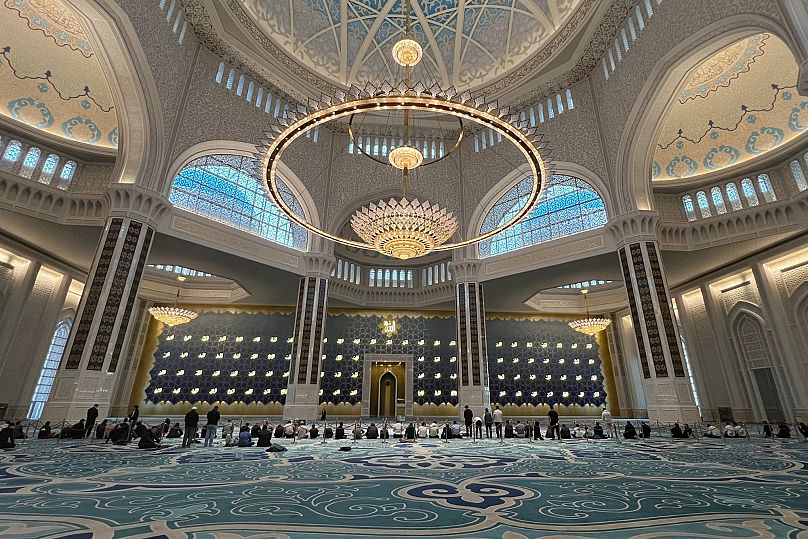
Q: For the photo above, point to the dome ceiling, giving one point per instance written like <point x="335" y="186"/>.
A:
<point x="466" y="43"/>
<point x="731" y="108"/>
<point x="50" y="77"/>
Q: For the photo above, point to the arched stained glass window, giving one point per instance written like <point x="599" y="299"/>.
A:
<point x="690" y="209"/>
<point x="718" y="200"/>
<point x="409" y="278"/>
<point x="734" y="197"/>
<point x="567" y="206"/>
<point x="13" y="152"/>
<point x="68" y="171"/>
<point x="48" y="373"/>
<point x="30" y="161"/>
<point x="765" y="185"/>
<point x="749" y="192"/>
<point x="49" y="168"/>
<point x="372" y="278"/>
<point x="704" y="206"/>
<point x="226" y="188"/>
<point x="799" y="176"/>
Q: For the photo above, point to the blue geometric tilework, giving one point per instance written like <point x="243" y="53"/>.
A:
<point x="514" y="490"/>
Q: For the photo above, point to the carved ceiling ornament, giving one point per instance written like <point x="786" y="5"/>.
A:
<point x="613" y="20"/>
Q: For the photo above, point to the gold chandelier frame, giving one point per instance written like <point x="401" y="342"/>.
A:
<point x="372" y="99"/>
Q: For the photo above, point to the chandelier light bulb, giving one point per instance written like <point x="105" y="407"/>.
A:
<point x="406" y="157"/>
<point x="407" y="52"/>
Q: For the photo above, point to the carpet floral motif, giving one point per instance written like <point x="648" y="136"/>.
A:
<point x="514" y="490"/>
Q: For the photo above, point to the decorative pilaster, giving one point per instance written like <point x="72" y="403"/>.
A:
<point x="667" y="391"/>
<point x="89" y="367"/>
<point x="303" y="390"/>
<point x="471" y="340"/>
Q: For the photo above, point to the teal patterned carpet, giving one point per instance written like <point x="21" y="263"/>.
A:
<point x="514" y="490"/>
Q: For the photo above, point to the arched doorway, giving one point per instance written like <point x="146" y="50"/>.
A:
<point x="388" y="394"/>
<point x="754" y="348"/>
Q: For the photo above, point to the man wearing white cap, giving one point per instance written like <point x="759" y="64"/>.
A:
<point x="191" y="424"/>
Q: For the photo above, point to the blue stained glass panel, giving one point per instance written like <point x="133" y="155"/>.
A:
<point x="49" y="369"/>
<point x="749" y="192"/>
<point x="13" y="151"/>
<point x="734" y="197"/>
<point x="567" y="206"/>
<point x="227" y="189"/>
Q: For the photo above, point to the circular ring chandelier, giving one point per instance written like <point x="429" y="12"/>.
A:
<point x="403" y="228"/>
<point x="402" y="97"/>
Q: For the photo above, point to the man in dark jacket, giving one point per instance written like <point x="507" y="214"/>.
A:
<point x="6" y="437"/>
<point x="92" y="415"/>
<point x="213" y="422"/>
<point x="552" y="415"/>
<point x="264" y="437"/>
<point x="468" y="417"/>
<point x="191" y="424"/>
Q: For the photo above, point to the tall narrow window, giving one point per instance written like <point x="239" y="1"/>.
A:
<point x="704" y="206"/>
<point x="733" y="197"/>
<point x="611" y="60"/>
<point x="749" y="192"/>
<point x="605" y="68"/>
<point x="409" y="278"/>
<point x="30" y="161"/>
<point x="640" y="21"/>
<point x="372" y="278"/>
<point x="550" y="112"/>
<point x="532" y="117"/>
<point x="799" y="176"/>
<point x="48" y="373"/>
<point x="387" y="278"/>
<point x="250" y="90"/>
<point x="443" y="272"/>
<point x="570" y="102"/>
<point x="617" y="51"/>
<point x="690" y="375"/>
<point x="541" y="113"/>
<point x="68" y="171"/>
<point x="220" y="73"/>
<point x="649" y="8"/>
<point x="339" y="269"/>
<point x="632" y="32"/>
<point x="230" y="78"/>
<point x="718" y="200"/>
<point x="429" y="276"/>
<point x="559" y="104"/>
<point x="240" y="87"/>
<point x="765" y="185"/>
<point x="690" y="209"/>
<point x="13" y="152"/>
<point x="259" y="97"/>
<point x="268" y="103"/>
<point x="625" y="39"/>
<point x="49" y="168"/>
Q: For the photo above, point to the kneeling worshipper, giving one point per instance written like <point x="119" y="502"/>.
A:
<point x="150" y="439"/>
<point x="398" y="429"/>
<point x="357" y="431"/>
<point x="713" y="432"/>
<point x="423" y="430"/>
<point x="120" y="434"/>
<point x="565" y="432"/>
<point x="339" y="434"/>
<point x="629" y="432"/>
<point x="434" y="430"/>
<point x="45" y="431"/>
<point x="456" y="430"/>
<point x="676" y="431"/>
<point x="783" y="431"/>
<point x="597" y="431"/>
<point x="264" y="437"/>
<point x="302" y="431"/>
<point x="314" y="431"/>
<point x="7" y="437"/>
<point x="175" y="431"/>
<point x="646" y="430"/>
<point x="537" y="430"/>
<point x="372" y="432"/>
<point x="76" y="431"/>
<point x="508" y="429"/>
<point x="409" y="434"/>
<point x="279" y="431"/>
<point x="244" y="438"/>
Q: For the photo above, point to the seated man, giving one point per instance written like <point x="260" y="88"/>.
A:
<point x="508" y="429"/>
<point x="289" y="430"/>
<point x="712" y="432"/>
<point x="149" y="439"/>
<point x="676" y="431"/>
<point x="264" y="437"/>
<point x="357" y="431"/>
<point x="100" y="430"/>
<point x="456" y="430"/>
<point x="687" y="431"/>
<point x="409" y="434"/>
<point x="740" y="432"/>
<point x="328" y="432"/>
<point x="579" y="431"/>
<point x="565" y="432"/>
<point x="7" y="437"/>
<point x="314" y="432"/>
<point x="645" y="430"/>
<point x="783" y="431"/>
<point x="339" y="434"/>
<point x="175" y="431"/>
<point x="767" y="430"/>
<point x="279" y="431"/>
<point x="398" y="429"/>
<point x="384" y="432"/>
<point x="372" y="432"/>
<point x="434" y="430"/>
<point x="19" y="433"/>
<point x="244" y="438"/>
<point x="302" y="431"/>
<point x="45" y="431"/>
<point x="629" y="432"/>
<point x="520" y="429"/>
<point x="423" y="430"/>
<point x="120" y="434"/>
<point x="537" y="431"/>
<point x="256" y="430"/>
<point x="597" y="431"/>
<point x="729" y="430"/>
<point x="76" y="431"/>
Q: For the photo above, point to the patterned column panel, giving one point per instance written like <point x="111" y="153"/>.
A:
<point x="651" y="312"/>
<point x="104" y="317"/>
<point x="309" y="329"/>
<point x="471" y="335"/>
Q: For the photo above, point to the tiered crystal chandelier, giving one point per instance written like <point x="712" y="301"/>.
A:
<point x="403" y="228"/>
<point x="173" y="316"/>
<point x="589" y="325"/>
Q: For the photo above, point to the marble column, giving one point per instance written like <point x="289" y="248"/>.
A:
<point x="303" y="389"/>
<point x="667" y="391"/>
<point x="472" y="353"/>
